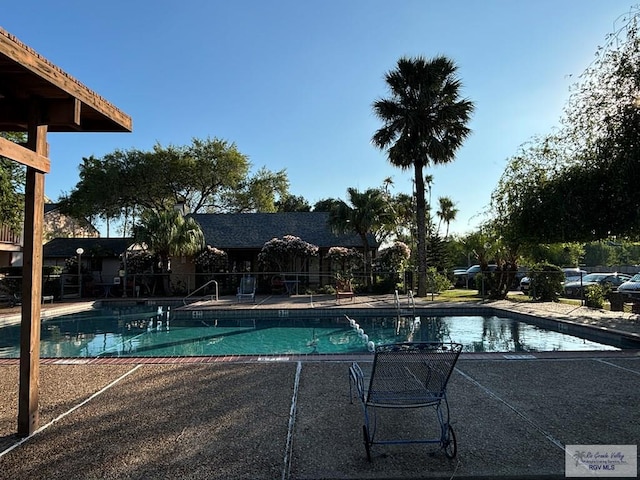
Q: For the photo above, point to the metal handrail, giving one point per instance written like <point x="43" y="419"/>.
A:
<point x="412" y="302"/>
<point x="184" y="300"/>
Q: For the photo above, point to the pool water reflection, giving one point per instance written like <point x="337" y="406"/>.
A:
<point x="155" y="332"/>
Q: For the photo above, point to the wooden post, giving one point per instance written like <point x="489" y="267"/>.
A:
<point x="31" y="287"/>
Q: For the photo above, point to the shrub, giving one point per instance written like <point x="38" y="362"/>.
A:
<point x="325" y="290"/>
<point x="285" y="254"/>
<point x="484" y="282"/>
<point x="437" y="282"/>
<point x="212" y="259"/>
<point x="546" y="282"/>
<point x="393" y="258"/>
<point x="385" y="285"/>
<point x="595" y="295"/>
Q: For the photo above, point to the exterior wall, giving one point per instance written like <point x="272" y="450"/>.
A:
<point x="110" y="269"/>
<point x="183" y="273"/>
<point x="57" y="225"/>
<point x="10" y="247"/>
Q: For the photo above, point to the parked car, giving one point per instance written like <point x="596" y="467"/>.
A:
<point x="573" y="274"/>
<point x="459" y="277"/>
<point x="474" y="270"/>
<point x="631" y="288"/>
<point x="570" y="275"/>
<point x="576" y="288"/>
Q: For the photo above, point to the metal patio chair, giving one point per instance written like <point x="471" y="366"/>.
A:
<point x="406" y="376"/>
<point x="247" y="289"/>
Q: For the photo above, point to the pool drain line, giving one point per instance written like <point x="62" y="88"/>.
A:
<point x="630" y="370"/>
<point x="73" y="409"/>
<point x="292" y="420"/>
<point x="488" y="391"/>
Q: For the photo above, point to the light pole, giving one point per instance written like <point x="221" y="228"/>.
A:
<point x="79" y="251"/>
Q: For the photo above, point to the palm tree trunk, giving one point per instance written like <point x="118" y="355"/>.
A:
<point x="164" y="274"/>
<point x="422" y="231"/>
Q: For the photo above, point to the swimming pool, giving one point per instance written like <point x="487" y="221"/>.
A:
<point x="150" y="331"/>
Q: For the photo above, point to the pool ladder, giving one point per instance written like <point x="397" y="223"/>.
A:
<point x="411" y="305"/>
<point x="184" y="300"/>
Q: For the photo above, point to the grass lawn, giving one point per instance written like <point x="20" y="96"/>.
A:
<point x="470" y="295"/>
<point x="457" y="294"/>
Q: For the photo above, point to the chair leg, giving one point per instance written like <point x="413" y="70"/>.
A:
<point x="449" y="444"/>
<point x="367" y="443"/>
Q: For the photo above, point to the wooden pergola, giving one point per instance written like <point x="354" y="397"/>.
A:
<point x="37" y="97"/>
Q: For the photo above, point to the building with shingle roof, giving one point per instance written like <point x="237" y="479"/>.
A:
<point x="233" y="231"/>
<point x="59" y="249"/>
<point x="101" y="256"/>
<point x="242" y="236"/>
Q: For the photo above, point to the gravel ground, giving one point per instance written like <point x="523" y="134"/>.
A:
<point x="623" y="321"/>
<point x="226" y="421"/>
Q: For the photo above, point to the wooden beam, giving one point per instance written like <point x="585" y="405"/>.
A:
<point x="25" y="156"/>
<point x="55" y="113"/>
<point x="17" y="51"/>
<point x="28" y="395"/>
<point x="62" y="112"/>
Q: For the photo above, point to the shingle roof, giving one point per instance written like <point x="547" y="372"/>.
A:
<point x="50" y="207"/>
<point x="253" y="230"/>
<point x="98" y="247"/>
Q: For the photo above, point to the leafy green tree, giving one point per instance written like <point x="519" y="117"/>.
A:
<point x="167" y="233"/>
<point x="207" y="176"/>
<point x="562" y="254"/>
<point x="437" y="252"/>
<point x="486" y="246"/>
<point x="516" y="204"/>
<point x="574" y="185"/>
<point x="365" y="215"/>
<point x="424" y="122"/>
<point x="260" y="192"/>
<point x="326" y="204"/>
<point x="457" y="252"/>
<point x="12" y="179"/>
<point x="292" y="203"/>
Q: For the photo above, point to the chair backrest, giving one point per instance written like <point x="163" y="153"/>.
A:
<point x="343" y="286"/>
<point x="407" y="369"/>
<point x="247" y="285"/>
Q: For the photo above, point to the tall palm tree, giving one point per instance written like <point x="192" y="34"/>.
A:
<point x="366" y="215"/>
<point x="167" y="233"/>
<point x="446" y="213"/>
<point x="424" y="122"/>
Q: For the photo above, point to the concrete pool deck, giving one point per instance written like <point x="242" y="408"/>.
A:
<point x="512" y="416"/>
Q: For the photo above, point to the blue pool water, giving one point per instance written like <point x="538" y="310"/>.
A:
<point x="159" y="332"/>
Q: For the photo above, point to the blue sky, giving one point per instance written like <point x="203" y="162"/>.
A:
<point x="291" y="82"/>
